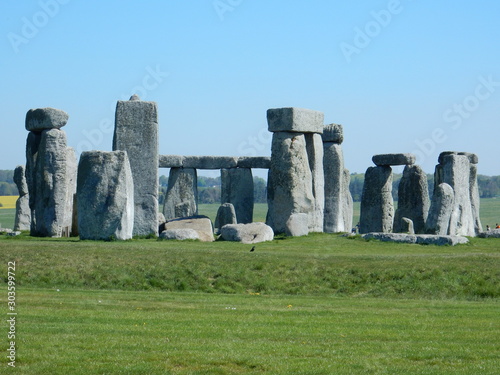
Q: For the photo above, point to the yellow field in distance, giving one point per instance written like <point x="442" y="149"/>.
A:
<point x="8" y="201"/>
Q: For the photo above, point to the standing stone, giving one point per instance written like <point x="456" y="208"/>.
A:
<point x="456" y="172"/>
<point x="475" y="199"/>
<point x="225" y="215"/>
<point x="314" y="145"/>
<point x="237" y="189"/>
<point x="23" y="213"/>
<point x="290" y="186"/>
<point x="348" y="210"/>
<point x="136" y="131"/>
<point x="377" y="206"/>
<point x="335" y="194"/>
<point x="181" y="199"/>
<point x="50" y="210"/>
<point x="32" y="146"/>
<point x="413" y="201"/>
<point x="71" y="173"/>
<point x="438" y="221"/>
<point x="105" y="196"/>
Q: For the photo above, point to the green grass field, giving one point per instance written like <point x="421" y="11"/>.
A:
<point x="319" y="304"/>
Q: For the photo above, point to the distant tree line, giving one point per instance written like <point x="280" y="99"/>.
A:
<point x="7" y="185"/>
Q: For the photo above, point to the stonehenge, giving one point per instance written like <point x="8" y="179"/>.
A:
<point x="114" y="195"/>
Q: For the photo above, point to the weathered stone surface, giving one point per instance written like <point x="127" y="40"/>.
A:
<point x="336" y="199"/>
<point x="394" y="159"/>
<point x="225" y="215"/>
<point x="247" y="233"/>
<point x="438" y="220"/>
<point x="202" y="225"/>
<point x="297" y="225"/>
<point x="136" y="131"/>
<point x="210" y="162"/>
<point x="20" y="180"/>
<point x="22" y="220"/>
<point x="408" y="227"/>
<point x="51" y="211"/>
<point x="314" y="145"/>
<point x="413" y="201"/>
<point x="422" y="239"/>
<point x="45" y="118"/>
<point x="473" y="158"/>
<point x="333" y="133"/>
<point x="475" y="199"/>
<point x="456" y="173"/>
<point x="180" y="234"/>
<point x="182" y="189"/>
<point x="105" y="196"/>
<point x="161" y="218"/>
<point x="348" y="210"/>
<point x="171" y="161"/>
<point x="259" y="162"/>
<point x="290" y="187"/>
<point x="71" y="177"/>
<point x="295" y="120"/>
<point x="494" y="233"/>
<point x="377" y="206"/>
<point x="32" y="145"/>
<point x="237" y="189"/>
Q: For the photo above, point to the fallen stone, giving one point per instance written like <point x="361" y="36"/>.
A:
<point x="201" y="224"/>
<point x="394" y="159"/>
<point x="14" y="233"/>
<point x="225" y="215"/>
<point x="105" y="196"/>
<point x="391" y="237"/>
<point x="45" y="118"/>
<point x="180" y="234"/>
<point x="247" y="233"/>
<point x="494" y="233"/>
<point x="421" y="239"/>
<point x="295" y="120"/>
<point x="333" y="133"/>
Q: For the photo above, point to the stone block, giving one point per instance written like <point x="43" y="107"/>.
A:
<point x="394" y="159"/>
<point x="295" y="120"/>
<point x="259" y="162"/>
<point x="247" y="233"/>
<point x="333" y="133"/>
<point x="45" y="118"/>
<point x="171" y="161"/>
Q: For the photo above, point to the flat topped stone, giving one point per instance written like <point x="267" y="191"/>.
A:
<point x="296" y="120"/>
<point x="473" y="158"/>
<point x="394" y="159"/>
<point x="45" y="118"/>
<point x="333" y="133"/>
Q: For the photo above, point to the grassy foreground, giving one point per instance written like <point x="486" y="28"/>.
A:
<point x="114" y="332"/>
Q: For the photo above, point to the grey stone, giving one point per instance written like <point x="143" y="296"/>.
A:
<point x="475" y="199"/>
<point x="314" y="145"/>
<point x="32" y="145"/>
<point x="135" y="97"/>
<point x="161" y="218"/>
<point x="247" y="233"/>
<point x="409" y="227"/>
<point x="438" y="220"/>
<point x="394" y="159"/>
<point x="425" y="239"/>
<point x="348" y="210"/>
<point x="136" y="131"/>
<point x="494" y="233"/>
<point x="210" y="162"/>
<point x="391" y="237"/>
<point x="22" y="220"/>
<point x="181" y="234"/>
<point x="413" y="201"/>
<point x="51" y="204"/>
<point x="333" y="133"/>
<point x="290" y="186"/>
<point x="171" y="161"/>
<point x="295" y="120"/>
<point x="336" y="199"/>
<point x="377" y="206"/>
<point x="237" y="189"/>
<point x="259" y="162"/>
<point x="456" y="173"/>
<point x="297" y="225"/>
<point x="182" y="188"/>
<point x="201" y="224"/>
<point x="14" y="233"/>
<point x="473" y="158"/>
<point x="20" y="180"/>
<point x="184" y="209"/>
<point x="45" y="118"/>
<point x="105" y="196"/>
<point x="71" y="177"/>
<point x="225" y="215"/>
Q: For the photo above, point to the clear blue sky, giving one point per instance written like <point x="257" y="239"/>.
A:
<point x="401" y="76"/>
